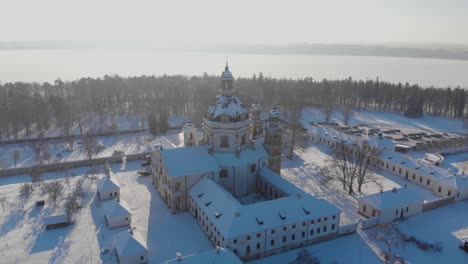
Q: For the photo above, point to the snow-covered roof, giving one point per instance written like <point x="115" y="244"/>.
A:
<point x="231" y="106"/>
<point x="457" y="182"/>
<point x="108" y="184"/>
<point x="333" y="134"/>
<point x="114" y="209"/>
<point x="391" y="199"/>
<point x="163" y="142"/>
<point x="280" y="182"/>
<point x="380" y="143"/>
<point x="218" y="255"/>
<point x="189" y="161"/>
<point x="233" y="219"/>
<point x="246" y="156"/>
<point x="128" y="243"/>
<point x="55" y="219"/>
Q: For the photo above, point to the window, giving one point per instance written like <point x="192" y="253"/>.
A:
<point x="399" y="170"/>
<point x="393" y="168"/>
<point x="420" y="179"/>
<point x="312" y="222"/>
<point x="126" y="218"/>
<point x="333" y="226"/>
<point x="396" y="212"/>
<point x="235" y="251"/>
<point x="248" y="249"/>
<point x="428" y="182"/>
<point x="243" y="140"/>
<point x="303" y="234"/>
<point x="334" y="216"/>
<point x="293" y="226"/>
<point x="285" y="228"/>
<point x="406" y="175"/>
<point x="318" y="230"/>
<point x="449" y="193"/>
<point x="319" y="220"/>
<point x="259" y="235"/>
<point x="406" y="208"/>
<point x="304" y="224"/>
<point x="325" y="229"/>
<point x="311" y="232"/>
<point x="272" y="242"/>
<point x="248" y="237"/>
<point x="293" y="237"/>
<point x="235" y="241"/>
<point x="325" y="219"/>
<point x="440" y="189"/>
<point x="223" y="173"/>
<point x="258" y="245"/>
<point x="142" y="258"/>
<point x="364" y="207"/>
<point x="253" y="168"/>
<point x="272" y="231"/>
<point x="284" y="239"/>
<point x="224" y="142"/>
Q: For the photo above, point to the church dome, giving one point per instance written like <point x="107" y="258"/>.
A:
<point x="231" y="107"/>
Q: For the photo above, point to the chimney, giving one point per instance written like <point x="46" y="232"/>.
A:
<point x="394" y="189"/>
<point x="178" y="256"/>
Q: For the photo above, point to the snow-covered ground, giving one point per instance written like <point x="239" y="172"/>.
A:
<point x="23" y="240"/>
<point x="304" y="171"/>
<point x="60" y="150"/>
<point x="380" y="119"/>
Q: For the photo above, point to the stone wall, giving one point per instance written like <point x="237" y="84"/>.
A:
<point x="70" y="165"/>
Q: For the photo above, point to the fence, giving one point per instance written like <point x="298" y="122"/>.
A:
<point x="438" y="203"/>
<point x="348" y="229"/>
<point x="370" y="222"/>
<point x="26" y="140"/>
<point x="70" y="165"/>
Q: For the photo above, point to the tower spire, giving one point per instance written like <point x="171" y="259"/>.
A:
<point x="227" y="66"/>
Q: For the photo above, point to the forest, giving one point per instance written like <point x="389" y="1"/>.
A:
<point x="29" y="107"/>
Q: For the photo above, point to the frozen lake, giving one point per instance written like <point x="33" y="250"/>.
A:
<point x="48" y="65"/>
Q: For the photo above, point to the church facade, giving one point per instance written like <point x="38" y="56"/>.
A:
<point x="208" y="177"/>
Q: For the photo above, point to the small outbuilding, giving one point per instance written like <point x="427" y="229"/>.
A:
<point x="391" y="205"/>
<point x="130" y="248"/>
<point x="217" y="255"/>
<point x="108" y="188"/>
<point x="56" y="221"/>
<point x="117" y="214"/>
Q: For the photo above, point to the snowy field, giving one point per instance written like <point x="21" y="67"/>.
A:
<point x="304" y="171"/>
<point x="380" y="119"/>
<point x="23" y="240"/>
<point x="61" y="151"/>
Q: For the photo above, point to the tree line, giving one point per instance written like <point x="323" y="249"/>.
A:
<point x="33" y="108"/>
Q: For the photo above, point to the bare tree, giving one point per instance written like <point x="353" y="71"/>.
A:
<point x="55" y="191"/>
<point x="89" y="145"/>
<point x="390" y="235"/>
<point x="15" y="155"/>
<point x="3" y="203"/>
<point x="26" y="189"/>
<point x="71" y="143"/>
<point x="36" y="177"/>
<point x="39" y="147"/>
<point x="47" y="156"/>
<point x="72" y="205"/>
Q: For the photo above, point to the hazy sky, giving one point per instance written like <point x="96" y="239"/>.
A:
<point x="237" y="21"/>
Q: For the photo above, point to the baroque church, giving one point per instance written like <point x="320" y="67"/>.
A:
<point x="239" y="156"/>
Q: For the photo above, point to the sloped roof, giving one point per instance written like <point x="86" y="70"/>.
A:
<point x="55" y="219"/>
<point x="189" y="161"/>
<point x="280" y="182"/>
<point x="391" y="199"/>
<point x="457" y="182"/>
<point x="220" y="255"/>
<point x="128" y="244"/>
<point x="108" y="184"/>
<point x="163" y="142"/>
<point x="113" y="209"/>
<point x="246" y="156"/>
<point x="233" y="219"/>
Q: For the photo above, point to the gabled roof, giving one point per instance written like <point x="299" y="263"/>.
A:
<point x="218" y="255"/>
<point x="391" y="199"/>
<point x="189" y="161"/>
<point x="108" y="184"/>
<point x="280" y="182"/>
<point x="128" y="243"/>
<point x="113" y="209"/>
<point x="457" y="182"/>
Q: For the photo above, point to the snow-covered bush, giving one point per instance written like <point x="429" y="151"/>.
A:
<point x="26" y="189"/>
<point x="304" y="257"/>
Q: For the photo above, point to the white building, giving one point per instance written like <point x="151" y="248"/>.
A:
<point x="233" y="161"/>
<point x="217" y="255"/>
<point x="117" y="213"/>
<point x="130" y="248"/>
<point x="391" y="205"/>
<point x="108" y="188"/>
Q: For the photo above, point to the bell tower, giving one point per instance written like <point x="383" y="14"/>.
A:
<point x="273" y="140"/>
<point x="190" y="134"/>
<point x="226" y="85"/>
<point x="256" y="123"/>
